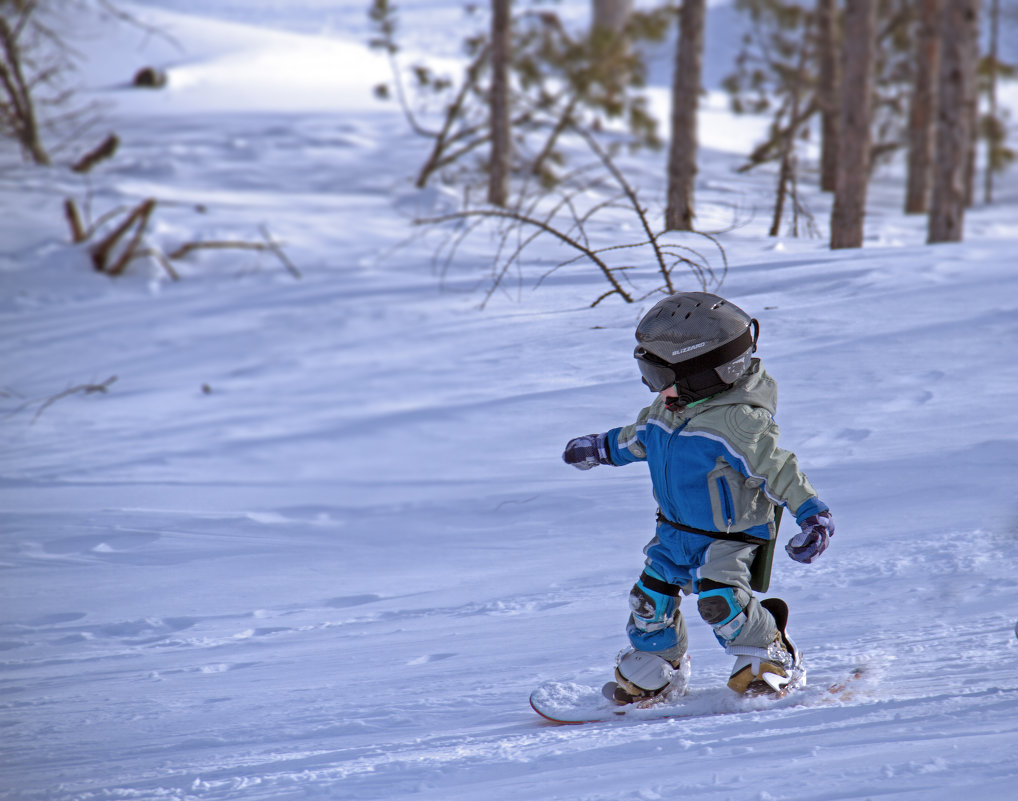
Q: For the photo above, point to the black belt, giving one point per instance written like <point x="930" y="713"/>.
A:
<point x="732" y="536"/>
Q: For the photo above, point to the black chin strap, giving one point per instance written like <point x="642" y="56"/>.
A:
<point x="675" y="405"/>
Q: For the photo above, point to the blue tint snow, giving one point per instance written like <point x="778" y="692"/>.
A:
<point x="317" y="541"/>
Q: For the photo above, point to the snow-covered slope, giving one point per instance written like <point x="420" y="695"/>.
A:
<point x="316" y="540"/>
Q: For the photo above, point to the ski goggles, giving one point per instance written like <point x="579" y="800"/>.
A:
<point x="659" y="374"/>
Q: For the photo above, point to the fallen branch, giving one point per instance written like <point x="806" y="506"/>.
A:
<point x="157" y="254"/>
<point x="78" y="234"/>
<point x="135" y="223"/>
<point x="102" y="251"/>
<point x="268" y="246"/>
<point x="87" y="389"/>
<point x="104" y="150"/>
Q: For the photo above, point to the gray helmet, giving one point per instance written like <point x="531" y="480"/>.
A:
<point x="698" y="342"/>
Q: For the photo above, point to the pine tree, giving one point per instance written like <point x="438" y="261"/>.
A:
<point x="923" y="108"/>
<point x="827" y="90"/>
<point x="954" y="134"/>
<point x="500" y="124"/>
<point x="993" y="125"/>
<point x="611" y="15"/>
<point x="686" y="88"/>
<point x="776" y="73"/>
<point x="847" y="216"/>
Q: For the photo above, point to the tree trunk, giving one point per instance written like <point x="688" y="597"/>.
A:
<point x="16" y="94"/>
<point x="923" y="111"/>
<point x="685" y="100"/>
<point x="991" y="112"/>
<point x="608" y="35"/>
<point x="827" y="91"/>
<point x="611" y="15"/>
<point x="498" y="169"/>
<point x="954" y="121"/>
<point x="972" y="101"/>
<point x="787" y="172"/>
<point x="854" y="130"/>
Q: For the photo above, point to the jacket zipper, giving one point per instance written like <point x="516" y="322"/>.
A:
<point x="667" y="483"/>
<point x="726" y="500"/>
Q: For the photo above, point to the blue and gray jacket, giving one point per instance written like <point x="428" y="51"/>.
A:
<point x="716" y="465"/>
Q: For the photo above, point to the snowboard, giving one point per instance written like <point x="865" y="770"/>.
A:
<point x="570" y="703"/>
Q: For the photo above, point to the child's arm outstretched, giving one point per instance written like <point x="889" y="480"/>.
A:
<point x="591" y="450"/>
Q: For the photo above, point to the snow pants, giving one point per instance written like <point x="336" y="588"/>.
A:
<point x="718" y="571"/>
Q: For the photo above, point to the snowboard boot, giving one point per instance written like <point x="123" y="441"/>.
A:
<point x="641" y="676"/>
<point x="770" y="670"/>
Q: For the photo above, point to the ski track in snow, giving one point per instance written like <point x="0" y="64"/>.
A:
<point x="317" y="540"/>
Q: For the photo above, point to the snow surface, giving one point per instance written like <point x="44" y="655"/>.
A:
<point x="316" y="540"/>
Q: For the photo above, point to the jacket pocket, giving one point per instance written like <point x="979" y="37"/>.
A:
<point x="737" y="502"/>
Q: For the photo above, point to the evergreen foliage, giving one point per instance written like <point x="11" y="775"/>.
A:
<point x="776" y="73"/>
<point x="560" y="79"/>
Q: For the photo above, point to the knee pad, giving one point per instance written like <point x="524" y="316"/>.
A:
<point x="652" y="606"/>
<point x="722" y="608"/>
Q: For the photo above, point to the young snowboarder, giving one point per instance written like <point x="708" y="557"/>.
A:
<point x="711" y="444"/>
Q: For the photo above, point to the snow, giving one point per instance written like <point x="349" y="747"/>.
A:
<point x="316" y="540"/>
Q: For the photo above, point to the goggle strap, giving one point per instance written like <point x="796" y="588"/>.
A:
<point x="720" y="355"/>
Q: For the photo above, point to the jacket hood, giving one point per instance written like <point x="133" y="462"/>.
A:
<point x="755" y="387"/>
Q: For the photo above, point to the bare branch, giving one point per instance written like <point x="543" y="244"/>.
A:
<point x="268" y="246"/>
<point x="87" y="389"/>
<point x="104" y="150"/>
<point x="630" y="193"/>
<point x="74" y="221"/>
<point x="100" y="252"/>
<point x="160" y="257"/>
<point x="21" y="119"/>
<point x="544" y="226"/>
<point x="435" y="160"/>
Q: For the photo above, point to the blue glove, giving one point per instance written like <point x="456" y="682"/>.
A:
<point x="814" y="538"/>
<point x="586" y="452"/>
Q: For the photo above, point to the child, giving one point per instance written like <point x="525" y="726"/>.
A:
<point x="711" y="444"/>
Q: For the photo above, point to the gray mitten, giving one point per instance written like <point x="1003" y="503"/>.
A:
<point x="814" y="538"/>
<point x="586" y="452"/>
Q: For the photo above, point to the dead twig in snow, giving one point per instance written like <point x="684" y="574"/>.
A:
<point x="78" y="234"/>
<point x="268" y="246"/>
<point x="87" y="389"/>
<point x="104" y="150"/>
<point x="102" y="251"/>
<point x="136" y="220"/>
